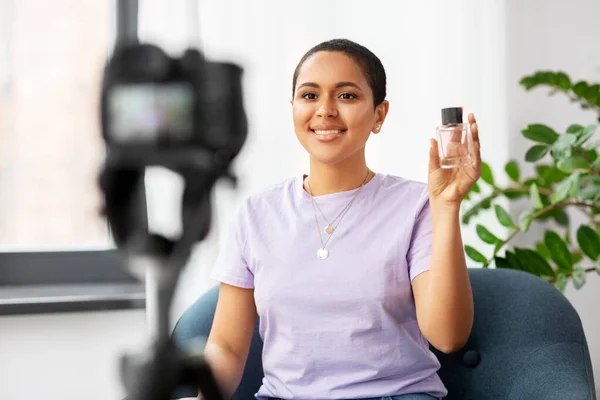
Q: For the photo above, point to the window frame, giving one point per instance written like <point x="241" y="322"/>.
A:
<point x="72" y="280"/>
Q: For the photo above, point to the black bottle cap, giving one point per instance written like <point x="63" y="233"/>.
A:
<point x="452" y="115"/>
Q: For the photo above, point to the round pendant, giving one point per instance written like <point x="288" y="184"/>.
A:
<point x="323" y="253"/>
<point x="329" y="229"/>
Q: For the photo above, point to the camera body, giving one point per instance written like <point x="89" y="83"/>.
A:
<point x="172" y="112"/>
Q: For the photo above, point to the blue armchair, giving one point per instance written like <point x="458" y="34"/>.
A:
<point x="527" y="343"/>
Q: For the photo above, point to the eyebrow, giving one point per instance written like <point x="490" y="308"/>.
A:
<point x="337" y="86"/>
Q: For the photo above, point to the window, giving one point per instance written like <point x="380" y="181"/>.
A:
<point x="56" y="254"/>
<point x="51" y="58"/>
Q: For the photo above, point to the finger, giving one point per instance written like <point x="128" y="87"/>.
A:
<point x="434" y="157"/>
<point x="456" y="135"/>
<point x="473" y="127"/>
<point x="477" y="151"/>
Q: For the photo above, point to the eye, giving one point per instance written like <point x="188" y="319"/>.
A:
<point x="309" y="96"/>
<point x="347" y="96"/>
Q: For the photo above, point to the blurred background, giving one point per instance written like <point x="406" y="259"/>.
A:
<point x="65" y="309"/>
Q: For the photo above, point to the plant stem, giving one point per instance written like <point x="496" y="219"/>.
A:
<point x="535" y="215"/>
<point x="581" y="204"/>
<point x="526" y="189"/>
<point x="589" y="269"/>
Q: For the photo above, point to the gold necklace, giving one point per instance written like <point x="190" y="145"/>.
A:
<point x="323" y="253"/>
<point x="329" y="228"/>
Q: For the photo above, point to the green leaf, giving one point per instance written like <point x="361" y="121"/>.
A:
<point x="575" y="178"/>
<point x="529" y="82"/>
<point x="486" y="235"/>
<point x="486" y="174"/>
<point x="550" y="174"/>
<point x="592" y="93"/>
<point x="503" y="216"/>
<point x="525" y="220"/>
<point x="534" y="262"/>
<point x="540" y="133"/>
<point x="561" y="281"/>
<point x="588" y="132"/>
<point x="514" y="262"/>
<point x="589" y="192"/>
<point x="563" y="81"/>
<point x="501" y="262"/>
<point x="546" y="201"/>
<point x="591" y="155"/>
<point x="474" y="254"/>
<point x="573" y="164"/>
<point x="577" y="256"/>
<point x="575" y="129"/>
<point x="578" y="277"/>
<point x="561" y="192"/>
<point x="498" y="246"/>
<point x="559" y="252"/>
<point x="534" y="193"/>
<point x="542" y="250"/>
<point x="589" y="241"/>
<point x="541" y="77"/>
<point x="561" y="217"/>
<point x="514" y="194"/>
<point x="475" y="188"/>
<point x="563" y="147"/>
<point x="596" y="164"/>
<point x="536" y="153"/>
<point x="580" y="89"/>
<point x="512" y="170"/>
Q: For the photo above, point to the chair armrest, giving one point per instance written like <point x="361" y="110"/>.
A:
<point x="555" y="372"/>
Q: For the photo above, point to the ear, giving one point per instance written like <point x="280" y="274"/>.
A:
<point x="380" y="113"/>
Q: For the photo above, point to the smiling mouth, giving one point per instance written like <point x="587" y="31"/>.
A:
<point x="328" y="131"/>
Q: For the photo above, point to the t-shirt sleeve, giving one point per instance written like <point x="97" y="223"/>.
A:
<point x="231" y="266"/>
<point x="419" y="251"/>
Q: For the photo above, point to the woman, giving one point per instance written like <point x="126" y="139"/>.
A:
<point x="353" y="273"/>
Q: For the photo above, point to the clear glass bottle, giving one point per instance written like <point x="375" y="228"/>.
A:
<point x="455" y="143"/>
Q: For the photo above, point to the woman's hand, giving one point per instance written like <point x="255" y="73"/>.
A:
<point x="451" y="185"/>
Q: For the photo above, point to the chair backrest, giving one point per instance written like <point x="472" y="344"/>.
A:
<point x="517" y="317"/>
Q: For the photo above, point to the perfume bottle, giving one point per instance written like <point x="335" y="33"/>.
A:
<point x="455" y="143"/>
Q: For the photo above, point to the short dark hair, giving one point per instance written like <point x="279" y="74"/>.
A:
<point x="370" y="64"/>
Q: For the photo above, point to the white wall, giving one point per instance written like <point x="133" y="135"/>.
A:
<point x="554" y="35"/>
<point x="66" y="356"/>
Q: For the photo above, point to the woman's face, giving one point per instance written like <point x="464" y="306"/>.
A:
<point x="333" y="108"/>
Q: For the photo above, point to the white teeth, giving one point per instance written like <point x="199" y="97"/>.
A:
<point x="329" y="132"/>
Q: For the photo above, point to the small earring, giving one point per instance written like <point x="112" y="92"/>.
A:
<point x="377" y="127"/>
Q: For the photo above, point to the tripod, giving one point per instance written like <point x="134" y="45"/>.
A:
<point x="200" y="126"/>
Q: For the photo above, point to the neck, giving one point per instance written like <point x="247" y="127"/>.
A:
<point x="333" y="178"/>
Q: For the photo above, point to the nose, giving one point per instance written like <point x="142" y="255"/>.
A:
<point x="327" y="108"/>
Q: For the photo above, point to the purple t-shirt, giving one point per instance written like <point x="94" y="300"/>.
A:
<point x="344" y="327"/>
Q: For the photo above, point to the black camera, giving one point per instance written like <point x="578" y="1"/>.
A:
<point x="185" y="114"/>
<point x="171" y="112"/>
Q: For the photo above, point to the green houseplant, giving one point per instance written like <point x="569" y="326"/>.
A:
<point x="567" y="175"/>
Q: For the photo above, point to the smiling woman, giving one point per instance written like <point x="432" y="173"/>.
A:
<point x="335" y="102"/>
<point x="334" y="105"/>
<point x="352" y="272"/>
